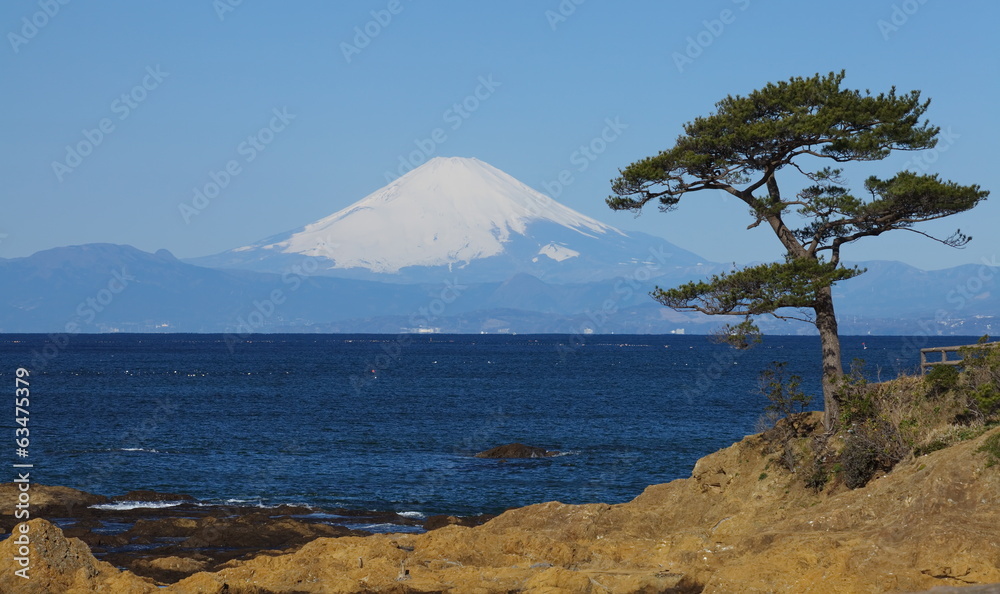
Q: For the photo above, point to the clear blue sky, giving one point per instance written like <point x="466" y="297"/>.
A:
<point x="552" y="82"/>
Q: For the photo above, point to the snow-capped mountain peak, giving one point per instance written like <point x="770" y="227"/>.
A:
<point x="450" y="210"/>
<point x="455" y="215"/>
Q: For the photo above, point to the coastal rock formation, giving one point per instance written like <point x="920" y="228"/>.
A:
<point x="60" y="564"/>
<point x="987" y="589"/>
<point x="168" y="569"/>
<point x="48" y="501"/>
<point x="170" y="543"/>
<point x="741" y="523"/>
<point x="210" y="542"/>
<point x="516" y="450"/>
<point x="258" y="531"/>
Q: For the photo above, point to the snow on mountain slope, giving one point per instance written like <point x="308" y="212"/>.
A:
<point x="557" y="252"/>
<point x="448" y="211"/>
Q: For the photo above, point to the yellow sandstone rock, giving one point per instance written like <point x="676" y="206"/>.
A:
<point x="61" y="565"/>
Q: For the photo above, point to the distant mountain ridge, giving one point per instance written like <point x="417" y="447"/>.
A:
<point x="109" y="288"/>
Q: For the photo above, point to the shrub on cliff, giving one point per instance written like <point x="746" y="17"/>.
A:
<point x="782" y="390"/>
<point x="941" y="379"/>
<point x="981" y="378"/>
<point x="870" y="448"/>
<point x="883" y="423"/>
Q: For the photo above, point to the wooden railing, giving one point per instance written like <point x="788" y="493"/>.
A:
<point x="925" y="364"/>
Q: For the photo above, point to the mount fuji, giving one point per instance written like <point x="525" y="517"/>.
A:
<point x="510" y="259"/>
<point x="460" y="217"/>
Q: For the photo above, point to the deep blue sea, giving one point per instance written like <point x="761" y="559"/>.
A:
<point x="392" y="422"/>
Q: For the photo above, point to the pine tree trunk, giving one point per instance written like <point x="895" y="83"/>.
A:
<point x="833" y="369"/>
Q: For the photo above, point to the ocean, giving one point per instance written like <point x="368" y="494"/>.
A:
<point x="391" y="423"/>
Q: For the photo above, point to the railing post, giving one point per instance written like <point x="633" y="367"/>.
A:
<point x="925" y="364"/>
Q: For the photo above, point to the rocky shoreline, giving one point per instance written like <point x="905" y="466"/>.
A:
<point x="168" y="536"/>
<point x="742" y="522"/>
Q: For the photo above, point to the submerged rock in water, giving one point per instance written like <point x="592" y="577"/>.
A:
<point x="440" y="521"/>
<point x="516" y="450"/>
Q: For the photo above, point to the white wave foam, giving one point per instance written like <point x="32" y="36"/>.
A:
<point x="412" y="514"/>
<point x="566" y="453"/>
<point x="385" y="528"/>
<point x="127" y="505"/>
<point x="259" y="503"/>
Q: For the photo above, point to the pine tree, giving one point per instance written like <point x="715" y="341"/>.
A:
<point x="793" y="126"/>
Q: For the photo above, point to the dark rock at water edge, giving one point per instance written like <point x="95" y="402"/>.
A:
<point x="167" y="544"/>
<point x="46" y="501"/>
<point x="440" y="521"/>
<point x="516" y="450"/>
